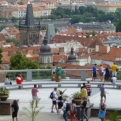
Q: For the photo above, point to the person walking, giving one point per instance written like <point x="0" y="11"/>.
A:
<point x="54" y="100"/>
<point x="114" y="69"/>
<point x="60" y="101"/>
<point x="107" y="73"/>
<point x="101" y="73"/>
<point x="35" y="98"/>
<point x="103" y="92"/>
<point x="15" y="109"/>
<point x="94" y="72"/>
<point x="89" y="90"/>
<point x="83" y="108"/>
<point x="64" y="109"/>
<point x="53" y="69"/>
<point x="102" y="107"/>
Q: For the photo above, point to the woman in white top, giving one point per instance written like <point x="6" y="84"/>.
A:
<point x="53" y="69"/>
<point x="7" y="80"/>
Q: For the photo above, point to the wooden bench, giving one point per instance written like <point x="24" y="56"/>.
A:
<point x="62" y="84"/>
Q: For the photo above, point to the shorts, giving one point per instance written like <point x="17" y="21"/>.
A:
<point x="14" y="114"/>
<point x="89" y="93"/>
<point x="103" y="95"/>
<point x="54" y="102"/>
<point x="114" y="73"/>
<point x="35" y="98"/>
<point x="94" y="74"/>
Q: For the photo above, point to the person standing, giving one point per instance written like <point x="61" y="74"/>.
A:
<point x="64" y="109"/>
<point x="7" y="80"/>
<point x="102" y="107"/>
<point x="114" y="70"/>
<point x="15" y="109"/>
<point x="83" y="91"/>
<point x="94" y="72"/>
<point x="34" y="95"/>
<point x="103" y="92"/>
<point x="53" y="69"/>
<point x="83" y="108"/>
<point x="101" y="72"/>
<point x="89" y="90"/>
<point x="54" y="100"/>
<point x="60" y="101"/>
<point x="113" y="80"/>
<point x="107" y="73"/>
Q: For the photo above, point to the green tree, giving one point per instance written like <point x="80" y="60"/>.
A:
<point x="16" y="42"/>
<point x="2" y="27"/>
<point x="118" y="26"/>
<point x="43" y="28"/>
<point x="1" y="55"/>
<point x="20" y="61"/>
<point x="20" y="3"/>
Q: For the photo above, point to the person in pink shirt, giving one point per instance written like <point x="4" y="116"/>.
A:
<point x="34" y="95"/>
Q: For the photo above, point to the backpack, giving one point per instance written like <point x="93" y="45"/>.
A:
<point x="51" y="95"/>
<point x="68" y="107"/>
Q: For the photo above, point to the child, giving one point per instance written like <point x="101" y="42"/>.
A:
<point x="15" y="109"/>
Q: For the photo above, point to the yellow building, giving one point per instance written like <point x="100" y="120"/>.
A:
<point x="108" y="7"/>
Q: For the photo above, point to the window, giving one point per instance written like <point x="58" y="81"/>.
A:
<point x="40" y="60"/>
<point x="48" y="60"/>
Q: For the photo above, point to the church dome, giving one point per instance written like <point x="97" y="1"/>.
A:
<point x="72" y="57"/>
<point x="45" y="48"/>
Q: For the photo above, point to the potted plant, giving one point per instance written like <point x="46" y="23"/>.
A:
<point x="77" y="98"/>
<point x="4" y="94"/>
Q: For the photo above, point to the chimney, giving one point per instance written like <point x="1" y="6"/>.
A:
<point x="108" y="49"/>
<point x="97" y="48"/>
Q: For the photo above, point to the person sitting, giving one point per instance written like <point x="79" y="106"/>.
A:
<point x="18" y="79"/>
<point x="7" y="80"/>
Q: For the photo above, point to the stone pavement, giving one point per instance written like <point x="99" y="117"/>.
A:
<point x="41" y="117"/>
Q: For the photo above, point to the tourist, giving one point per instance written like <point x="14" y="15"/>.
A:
<point x="54" y="100"/>
<point x="18" y="79"/>
<point x="7" y="80"/>
<point x="113" y="80"/>
<point x="53" y="71"/>
<point x="64" y="109"/>
<point x="34" y="96"/>
<point x="114" y="69"/>
<point x="73" y="111"/>
<point x="15" y="109"/>
<point x="94" y="72"/>
<point x="89" y="90"/>
<point x="83" y="91"/>
<point x="60" y="101"/>
<point x="103" y="92"/>
<point x="83" y="108"/>
<point x="102" y="107"/>
<point x="101" y="73"/>
<point x="107" y="73"/>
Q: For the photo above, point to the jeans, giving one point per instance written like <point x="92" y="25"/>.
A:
<point x="83" y="114"/>
<point x="65" y="115"/>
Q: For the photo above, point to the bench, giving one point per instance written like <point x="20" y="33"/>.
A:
<point x="62" y="84"/>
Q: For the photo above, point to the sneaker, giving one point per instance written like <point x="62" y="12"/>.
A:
<point x="52" y="111"/>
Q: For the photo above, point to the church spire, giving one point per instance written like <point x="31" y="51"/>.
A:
<point x="29" y="21"/>
<point x="72" y="51"/>
<point x="45" y="40"/>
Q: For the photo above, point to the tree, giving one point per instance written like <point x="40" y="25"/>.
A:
<point x="118" y="26"/>
<point x="20" y="61"/>
<point x="2" y="27"/>
<point x="43" y="28"/>
<point x="1" y="55"/>
<point x="16" y="42"/>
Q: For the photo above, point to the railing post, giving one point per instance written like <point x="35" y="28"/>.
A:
<point x="29" y="75"/>
<point x="83" y="75"/>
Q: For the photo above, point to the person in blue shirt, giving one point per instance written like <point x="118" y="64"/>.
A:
<point x="94" y="72"/>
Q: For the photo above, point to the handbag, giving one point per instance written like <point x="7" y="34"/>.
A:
<point x="101" y="114"/>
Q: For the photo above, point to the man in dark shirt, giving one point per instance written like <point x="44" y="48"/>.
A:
<point x="83" y="108"/>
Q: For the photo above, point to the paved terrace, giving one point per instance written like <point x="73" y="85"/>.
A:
<point x="24" y="97"/>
